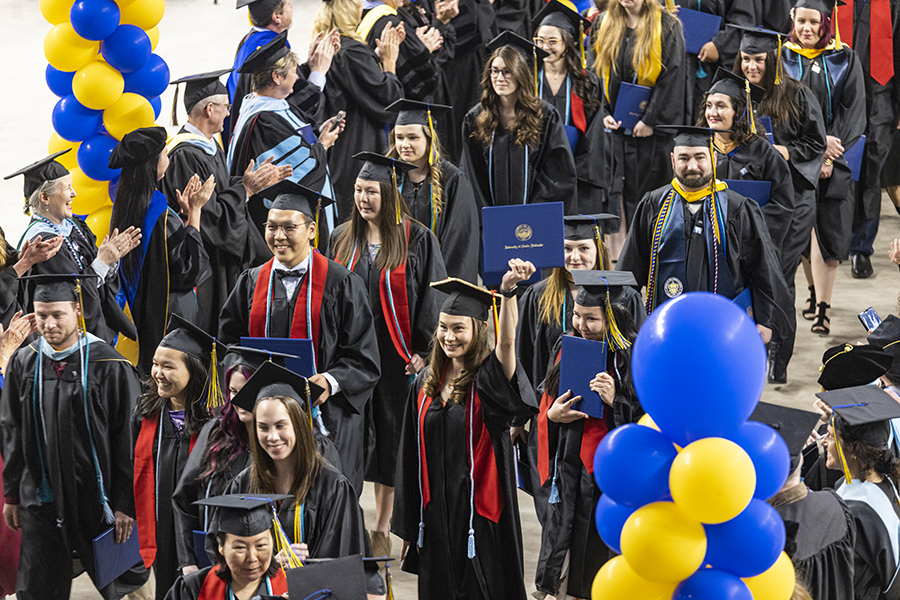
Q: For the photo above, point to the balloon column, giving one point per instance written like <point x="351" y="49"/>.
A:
<point x="684" y="490"/>
<point x="103" y="69"/>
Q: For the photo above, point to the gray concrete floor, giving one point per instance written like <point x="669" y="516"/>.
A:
<point x="197" y="36"/>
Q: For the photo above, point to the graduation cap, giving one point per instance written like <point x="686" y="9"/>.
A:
<point x="338" y="579"/>
<point x="290" y="195"/>
<point x="556" y="14"/>
<point x="691" y="135"/>
<point x="384" y="170"/>
<point x="271" y="380"/>
<point x="533" y="55"/>
<point x="736" y="86"/>
<point x="266" y="56"/>
<point x="465" y="299"/>
<point x="847" y="366"/>
<point x="57" y="287"/>
<point x="198" y="87"/>
<point x="138" y="147"/>
<point x="596" y="287"/>
<point x="252" y="358"/>
<point x="585" y="227"/>
<point x="242" y="514"/>
<point x="826" y="7"/>
<point x="756" y="40"/>
<point x="413" y="112"/>
<point x="46" y="169"/>
<point x="887" y="337"/>
<point x="792" y="424"/>
<point x="184" y="336"/>
<point x="260" y="10"/>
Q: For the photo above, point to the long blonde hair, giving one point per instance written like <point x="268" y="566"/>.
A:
<point x="611" y="33"/>
<point x="550" y="304"/>
<point x="435" y="171"/>
<point x="342" y="15"/>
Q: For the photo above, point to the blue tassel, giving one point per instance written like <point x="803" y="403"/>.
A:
<point x="44" y="493"/>
<point x="421" y="541"/>
<point x="554" y="492"/>
<point x="471" y="543"/>
<point x="108" y="516"/>
<point x="701" y="72"/>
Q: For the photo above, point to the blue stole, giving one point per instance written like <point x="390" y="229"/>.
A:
<point x="158" y="205"/>
<point x="255" y="39"/>
<point x="835" y="63"/>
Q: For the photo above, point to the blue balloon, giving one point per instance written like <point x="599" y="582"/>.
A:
<point x="699" y="367"/>
<point x="709" y="584"/>
<point x="75" y="122"/>
<point x="59" y="82"/>
<point x="632" y="464"/>
<point x="748" y="544"/>
<point x="94" y="19"/>
<point x="610" y="518"/>
<point x="150" y="80"/>
<point x="156" y="103"/>
<point x="111" y="189"/>
<point x="93" y="157"/>
<point x="770" y="455"/>
<point x="127" y="49"/>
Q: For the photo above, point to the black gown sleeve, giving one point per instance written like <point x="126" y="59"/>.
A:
<point x="807" y="146"/>
<point x="188" y="587"/>
<point x="121" y="389"/>
<point x="728" y="40"/>
<point x="363" y="80"/>
<point x="9" y="292"/>
<point x="234" y="320"/>
<point x="458" y="242"/>
<point x="505" y="401"/>
<point x="554" y="168"/>
<point x="407" y="499"/>
<point x="635" y="256"/>
<point x="416" y="70"/>
<point x="11" y="433"/>
<point x="527" y="335"/>
<point x="429" y="300"/>
<point x="188" y="260"/>
<point x="186" y="515"/>
<point x="308" y="98"/>
<point x="850" y="118"/>
<point x="473" y="162"/>
<point x="666" y="105"/>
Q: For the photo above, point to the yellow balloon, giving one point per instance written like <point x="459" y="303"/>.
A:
<point x="66" y="50"/>
<point x="129" y="112"/>
<point x="712" y="480"/>
<point x="153" y="34"/>
<point x="84" y="185"/>
<point x="98" y="222"/>
<point x="57" y="144"/>
<point x="617" y="581"/>
<point x="775" y="584"/>
<point x="662" y="544"/>
<point x="146" y="14"/>
<point x="97" y="85"/>
<point x="90" y="201"/>
<point x="56" y="11"/>
<point x="647" y="421"/>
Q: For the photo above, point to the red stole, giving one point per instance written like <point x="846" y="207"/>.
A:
<point x="319" y="268"/>
<point x="145" y="486"/>
<point x="489" y="499"/>
<point x="216" y="588"/>
<point x="881" y="44"/>
<point x="578" y="118"/>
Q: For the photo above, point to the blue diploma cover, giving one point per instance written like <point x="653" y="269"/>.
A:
<point x="301" y="348"/>
<point x="532" y="232"/>
<point x="854" y="156"/>
<point x="699" y="28"/>
<point x="580" y="362"/>
<point x="112" y="559"/>
<point x="745" y="301"/>
<point x="766" y="123"/>
<point x="758" y="191"/>
<point x="200" y="549"/>
<point x="631" y="103"/>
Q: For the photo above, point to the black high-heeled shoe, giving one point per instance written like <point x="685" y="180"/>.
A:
<point x="809" y="313"/>
<point x="820" y="325"/>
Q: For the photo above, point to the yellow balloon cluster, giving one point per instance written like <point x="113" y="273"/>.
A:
<point x="66" y="50"/>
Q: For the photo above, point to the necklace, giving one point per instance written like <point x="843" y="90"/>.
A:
<point x="68" y="242"/>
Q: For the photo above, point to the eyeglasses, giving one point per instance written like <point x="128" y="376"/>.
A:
<point x="225" y="106"/>
<point x="547" y="42"/>
<point x="500" y="73"/>
<point x="288" y="229"/>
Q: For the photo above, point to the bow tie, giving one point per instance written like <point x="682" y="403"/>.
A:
<point x="283" y="274"/>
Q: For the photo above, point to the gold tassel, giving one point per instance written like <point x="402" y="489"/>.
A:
<point x="496" y="318"/>
<point x="750" y="107"/>
<point x="779" y="68"/>
<point x="213" y="393"/>
<point x="614" y="336"/>
<point x="837" y="31"/>
<point x="534" y="55"/>
<point x="175" y="107"/>
<point x="283" y="544"/>
<point x="712" y="158"/>
<point x="837" y="444"/>
<point x="81" y="323"/>
<point x="581" y="44"/>
<point x="601" y="248"/>
<point x="309" y="400"/>
<point x="670" y="6"/>
<point x="431" y="158"/>
<point x="396" y="191"/>
<point x="389" y="581"/>
<point x="318" y="208"/>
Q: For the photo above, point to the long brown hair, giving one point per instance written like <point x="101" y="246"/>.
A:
<point x="780" y="101"/>
<point x="550" y="304"/>
<point x="438" y="363"/>
<point x="435" y="171"/>
<point x="582" y="85"/>
<point x="195" y="412"/>
<point x="308" y="463"/>
<point x="393" y="236"/>
<point x="529" y="112"/>
<point x="611" y="34"/>
<point x="740" y="125"/>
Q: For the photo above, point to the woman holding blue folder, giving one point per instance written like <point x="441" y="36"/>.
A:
<point x="835" y="75"/>
<point x="568" y="438"/>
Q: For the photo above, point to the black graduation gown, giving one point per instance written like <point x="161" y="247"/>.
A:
<point x="103" y="317"/>
<point x="455" y="225"/>
<point x="640" y="165"/>
<point x="550" y="174"/>
<point x="170" y="455"/>
<point x="760" y="161"/>
<point x="750" y="258"/>
<point x="590" y="152"/>
<point x="442" y="564"/>
<point x="231" y="241"/>
<point x="874" y="565"/>
<point x="9" y="295"/>
<point x="357" y="85"/>
<point x="68" y="459"/>
<point x="385" y="412"/>
<point x="822" y="548"/>
<point x="696" y="85"/>
<point x="570" y="527"/>
<point x="348" y="350"/>
<point x="175" y="263"/>
<point x="836" y="79"/>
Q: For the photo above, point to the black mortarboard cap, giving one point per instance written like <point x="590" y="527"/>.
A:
<point x="274" y="380"/>
<point x="594" y="285"/>
<point x="266" y="56"/>
<point x="344" y="578"/>
<point x="847" y="366"/>
<point x="252" y="357"/>
<point x="465" y="299"/>
<point x="734" y="85"/>
<point x="184" y="336"/>
<point x="378" y="167"/>
<point x="862" y="413"/>
<point x="56" y="287"/>
<point x="756" y="40"/>
<point x="138" y="147"/>
<point x="260" y="10"/>
<point x="692" y="136"/>
<point x="826" y="7"/>
<point x="583" y="227"/>
<point x="200" y="86"/>
<point x="792" y="424"/>
<point x="46" y="169"/>
<point x="290" y="195"/>
<point x="887" y="335"/>
<point x="413" y="112"/>
<point x="557" y="14"/>
<point x="244" y="515"/>
<point x="525" y="47"/>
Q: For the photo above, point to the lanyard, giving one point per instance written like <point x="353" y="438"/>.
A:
<point x="568" y="95"/>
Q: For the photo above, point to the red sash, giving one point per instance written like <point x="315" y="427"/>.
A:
<point x="489" y="499"/>
<point x="216" y="588"/>
<point x="319" y="266"/>
<point x="145" y="487"/>
<point x="881" y="44"/>
<point x="844" y="21"/>
<point x="578" y="118"/>
<point x="594" y="431"/>
<point x="392" y="286"/>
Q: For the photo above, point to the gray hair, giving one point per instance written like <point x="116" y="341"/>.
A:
<point x="285" y="65"/>
<point x="33" y="203"/>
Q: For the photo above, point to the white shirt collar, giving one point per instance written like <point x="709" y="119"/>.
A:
<point x="300" y="268"/>
<point x="191" y="129"/>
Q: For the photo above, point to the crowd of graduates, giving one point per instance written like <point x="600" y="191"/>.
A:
<point x="338" y="202"/>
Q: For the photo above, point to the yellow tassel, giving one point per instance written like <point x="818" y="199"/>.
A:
<point x="837" y="31"/>
<point x="534" y="55"/>
<point x="318" y="208"/>
<point x="837" y="444"/>
<point x="389" y="581"/>
<point x="779" y="69"/>
<point x="670" y="6"/>
<point x="81" y="323"/>
<point x="496" y="317"/>
<point x="431" y="131"/>
<point x="283" y="544"/>
<point x="750" y="107"/>
<point x="601" y="248"/>
<point x="213" y="393"/>
<point x="614" y="336"/>
<point x="396" y="191"/>
<point x="581" y="45"/>
<point x="309" y="401"/>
